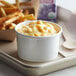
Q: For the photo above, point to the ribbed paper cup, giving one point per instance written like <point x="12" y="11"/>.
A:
<point x="37" y="49"/>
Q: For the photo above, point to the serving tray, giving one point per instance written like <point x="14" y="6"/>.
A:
<point x="8" y="54"/>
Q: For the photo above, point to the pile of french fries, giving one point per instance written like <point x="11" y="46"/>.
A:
<point x="12" y="14"/>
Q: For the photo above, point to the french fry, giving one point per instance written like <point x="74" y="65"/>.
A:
<point x="9" y="21"/>
<point x="3" y="13"/>
<point x="3" y="28"/>
<point x="3" y="19"/>
<point x="12" y="10"/>
<point x="11" y="14"/>
<point x="2" y="6"/>
<point x="18" y="13"/>
<point x="26" y="17"/>
<point x="24" y="4"/>
<point x="30" y="17"/>
<point x="7" y="4"/>
<point x="12" y="26"/>
<point x="17" y="4"/>
<point x="21" y="19"/>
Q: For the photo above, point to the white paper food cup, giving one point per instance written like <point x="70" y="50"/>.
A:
<point x="37" y="49"/>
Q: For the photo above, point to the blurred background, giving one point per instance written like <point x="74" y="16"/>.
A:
<point x="68" y="4"/>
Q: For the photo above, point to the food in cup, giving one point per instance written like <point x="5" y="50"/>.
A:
<point x="38" y="48"/>
<point x="38" y="28"/>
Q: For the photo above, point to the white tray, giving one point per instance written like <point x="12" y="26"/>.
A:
<point x="66" y="58"/>
<point x="8" y="54"/>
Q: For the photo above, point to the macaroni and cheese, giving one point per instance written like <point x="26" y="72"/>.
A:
<point x="37" y="28"/>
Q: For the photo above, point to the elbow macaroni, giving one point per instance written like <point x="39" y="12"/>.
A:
<point x="37" y="28"/>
